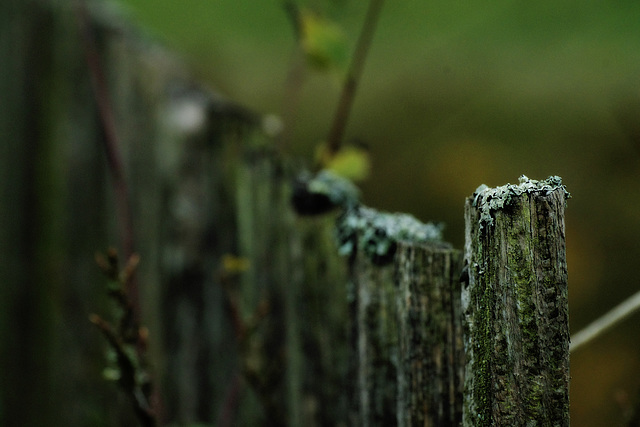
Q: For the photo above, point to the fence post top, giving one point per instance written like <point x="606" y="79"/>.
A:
<point x="489" y="200"/>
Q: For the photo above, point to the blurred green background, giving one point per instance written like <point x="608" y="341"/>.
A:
<point x="456" y="94"/>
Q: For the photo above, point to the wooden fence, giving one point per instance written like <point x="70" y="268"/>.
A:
<point x="258" y="314"/>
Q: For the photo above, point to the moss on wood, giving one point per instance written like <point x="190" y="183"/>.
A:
<point x="515" y="303"/>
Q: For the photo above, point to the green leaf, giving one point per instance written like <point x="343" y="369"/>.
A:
<point x="323" y="42"/>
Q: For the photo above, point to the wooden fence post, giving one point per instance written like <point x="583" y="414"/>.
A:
<point x="322" y="323"/>
<point x="431" y="354"/>
<point x="206" y="186"/>
<point x="371" y="240"/>
<point x="515" y="306"/>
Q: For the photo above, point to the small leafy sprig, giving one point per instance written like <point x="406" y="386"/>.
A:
<point x="126" y="338"/>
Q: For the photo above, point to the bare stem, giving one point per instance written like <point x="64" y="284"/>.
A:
<point x="606" y="322"/>
<point x="334" y="139"/>
<point x="292" y="92"/>
<point x="110" y="140"/>
<point x="111" y="145"/>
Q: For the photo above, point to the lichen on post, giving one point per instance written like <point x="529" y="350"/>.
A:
<point x="515" y="304"/>
<point x="370" y="239"/>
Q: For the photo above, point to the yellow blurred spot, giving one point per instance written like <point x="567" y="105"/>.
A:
<point x="233" y="264"/>
<point x="350" y="162"/>
<point x="323" y="42"/>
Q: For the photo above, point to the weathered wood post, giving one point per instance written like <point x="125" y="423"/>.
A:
<point x="319" y="355"/>
<point x="287" y="366"/>
<point x="431" y="356"/>
<point x="371" y="239"/>
<point x="206" y="185"/>
<point x="515" y="305"/>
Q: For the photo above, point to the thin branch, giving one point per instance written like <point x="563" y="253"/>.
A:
<point x="291" y="98"/>
<point x="146" y="397"/>
<point x="230" y="404"/>
<point x="112" y="148"/>
<point x="111" y="141"/>
<point x="293" y="13"/>
<point x="334" y="139"/>
<point x="606" y="322"/>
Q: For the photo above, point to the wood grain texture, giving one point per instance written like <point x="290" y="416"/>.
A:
<point x="431" y="356"/>
<point x="516" y="308"/>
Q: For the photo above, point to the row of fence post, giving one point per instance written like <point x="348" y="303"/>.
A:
<point x="286" y="332"/>
<point x="442" y="339"/>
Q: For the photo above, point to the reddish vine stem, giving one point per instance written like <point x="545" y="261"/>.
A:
<point x="230" y="404"/>
<point x="111" y="144"/>
<point x="336" y="134"/>
<point x="148" y="416"/>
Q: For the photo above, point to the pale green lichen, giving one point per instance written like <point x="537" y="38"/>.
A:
<point x="358" y="227"/>
<point x="377" y="233"/>
<point x="488" y="200"/>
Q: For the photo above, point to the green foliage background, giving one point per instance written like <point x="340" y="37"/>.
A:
<point x="456" y="94"/>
